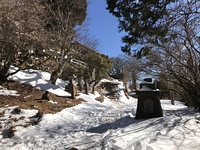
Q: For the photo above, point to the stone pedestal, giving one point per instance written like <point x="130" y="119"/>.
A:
<point x="148" y="103"/>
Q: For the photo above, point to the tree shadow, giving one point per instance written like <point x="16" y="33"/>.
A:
<point x="119" y="123"/>
<point x="127" y="120"/>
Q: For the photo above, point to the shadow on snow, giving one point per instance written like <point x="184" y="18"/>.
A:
<point x="161" y="122"/>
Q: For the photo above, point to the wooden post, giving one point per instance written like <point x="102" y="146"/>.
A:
<point x="86" y="87"/>
<point x="73" y="91"/>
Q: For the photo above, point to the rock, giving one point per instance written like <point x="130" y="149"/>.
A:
<point x="8" y="133"/>
<point x="37" y="118"/>
<point x="39" y="114"/>
<point x="47" y="96"/>
<point x="16" y="110"/>
<point x="73" y="148"/>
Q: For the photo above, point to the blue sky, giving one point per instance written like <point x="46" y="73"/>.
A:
<point x="103" y="26"/>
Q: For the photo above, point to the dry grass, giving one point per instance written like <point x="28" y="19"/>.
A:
<point x="30" y="98"/>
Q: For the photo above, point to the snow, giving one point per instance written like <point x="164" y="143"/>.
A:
<point x="110" y="125"/>
<point x="145" y="88"/>
<point x="8" y="92"/>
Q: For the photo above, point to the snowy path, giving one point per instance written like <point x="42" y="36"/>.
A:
<point x="96" y="126"/>
<point x="104" y="126"/>
<point x="72" y="127"/>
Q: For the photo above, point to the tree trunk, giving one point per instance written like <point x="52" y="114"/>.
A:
<point x="86" y="87"/>
<point x="198" y="102"/>
<point x="3" y="78"/>
<point x="172" y="97"/>
<point x="199" y="106"/>
<point x="79" y="85"/>
<point x="93" y="88"/>
<point x="134" y="80"/>
<point x="57" y="73"/>
<point x="3" y="73"/>
<point x="73" y="89"/>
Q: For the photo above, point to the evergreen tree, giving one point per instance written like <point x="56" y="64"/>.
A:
<point x="140" y="19"/>
<point x="98" y="67"/>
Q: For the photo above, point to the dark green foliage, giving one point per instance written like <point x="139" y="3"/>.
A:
<point x="144" y="51"/>
<point x="100" y="63"/>
<point x="98" y="67"/>
<point x="139" y="19"/>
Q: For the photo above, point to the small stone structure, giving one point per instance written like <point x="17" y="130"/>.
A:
<point x="148" y="103"/>
<point x="110" y="90"/>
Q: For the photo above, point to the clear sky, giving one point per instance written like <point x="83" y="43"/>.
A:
<point x="104" y="27"/>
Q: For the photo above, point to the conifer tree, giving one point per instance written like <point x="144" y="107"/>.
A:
<point x="140" y="19"/>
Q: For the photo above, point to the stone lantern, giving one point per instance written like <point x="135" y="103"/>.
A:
<point x="148" y="103"/>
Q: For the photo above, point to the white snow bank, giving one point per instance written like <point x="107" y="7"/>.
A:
<point x="109" y="125"/>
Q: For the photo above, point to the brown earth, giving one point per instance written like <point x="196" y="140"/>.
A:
<point x="31" y="98"/>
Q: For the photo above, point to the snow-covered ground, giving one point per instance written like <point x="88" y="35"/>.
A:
<point x="110" y="125"/>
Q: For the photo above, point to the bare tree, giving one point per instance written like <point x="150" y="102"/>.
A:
<point x="84" y="37"/>
<point x="118" y="66"/>
<point x="177" y="56"/>
<point x="126" y="69"/>
<point x="62" y="18"/>
<point x="20" y="31"/>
